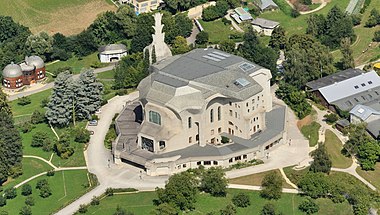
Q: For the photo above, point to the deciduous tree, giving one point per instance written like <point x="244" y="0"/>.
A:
<point x="322" y="161"/>
<point x="347" y="60"/>
<point x="271" y="186"/>
<point x="213" y="181"/>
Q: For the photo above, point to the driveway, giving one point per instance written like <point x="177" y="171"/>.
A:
<point x="51" y="85"/>
<point x="99" y="160"/>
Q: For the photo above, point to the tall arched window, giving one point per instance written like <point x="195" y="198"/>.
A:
<point x="155" y="117"/>
<point x="212" y="115"/>
<point x="189" y="122"/>
<point x="219" y="113"/>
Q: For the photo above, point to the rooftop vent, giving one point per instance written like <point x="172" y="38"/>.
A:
<point x="361" y="110"/>
<point x="241" y="82"/>
<point x="246" y="67"/>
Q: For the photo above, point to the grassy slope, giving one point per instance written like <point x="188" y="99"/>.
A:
<point x="73" y="181"/>
<point x="334" y="147"/>
<point x="75" y="63"/>
<point x="35" y="105"/>
<point x="372" y="177"/>
<point x="106" y="75"/>
<point x="142" y="203"/>
<point x="256" y="179"/>
<point x="217" y="30"/>
<point x="311" y="133"/>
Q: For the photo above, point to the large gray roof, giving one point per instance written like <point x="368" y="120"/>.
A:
<point x="363" y="112"/>
<point x="265" y="23"/>
<point x="112" y="49"/>
<point x="333" y="78"/>
<point x="12" y="71"/>
<point x="199" y="74"/>
<point x="369" y="98"/>
<point x="263" y="4"/>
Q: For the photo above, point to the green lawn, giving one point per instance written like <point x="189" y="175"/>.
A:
<point x="75" y="63"/>
<point x="217" y="30"/>
<point x="68" y="16"/>
<point x="311" y="133"/>
<point x="372" y="177"/>
<point x="106" y="75"/>
<point x="34" y="105"/>
<point x="334" y="147"/>
<point x="142" y="203"/>
<point x="256" y="179"/>
<point x="65" y="186"/>
<point x="31" y="167"/>
<point x="298" y="25"/>
<point x="295" y="175"/>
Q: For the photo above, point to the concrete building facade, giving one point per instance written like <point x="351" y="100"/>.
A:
<point x="142" y="6"/>
<point x="112" y="53"/>
<point x="205" y="107"/>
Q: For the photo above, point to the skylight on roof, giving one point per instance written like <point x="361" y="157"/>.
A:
<point x="216" y="56"/>
<point x="242" y="82"/>
<point x="361" y="110"/>
<point x="246" y="66"/>
<point x="221" y="54"/>
<point x="211" y="58"/>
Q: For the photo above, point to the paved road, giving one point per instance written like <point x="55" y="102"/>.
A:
<point x="191" y="39"/>
<point x="50" y="85"/>
<point x="117" y="176"/>
<point x="248" y="187"/>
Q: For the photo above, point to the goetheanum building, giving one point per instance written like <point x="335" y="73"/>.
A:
<point x="205" y="107"/>
<point x="28" y="72"/>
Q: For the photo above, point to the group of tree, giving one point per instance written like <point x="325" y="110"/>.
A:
<point x="44" y="187"/>
<point x="363" y="146"/>
<point x="73" y="98"/>
<point x="181" y="190"/>
<point x="271" y="186"/>
<point x="374" y="19"/>
<point x="10" y="142"/>
<point x="332" y="29"/>
<point x="215" y="12"/>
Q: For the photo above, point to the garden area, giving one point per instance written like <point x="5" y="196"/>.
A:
<point x="334" y="147"/>
<point x="256" y="179"/>
<point x="310" y="131"/>
<point x="372" y="177"/>
<point x="218" y="31"/>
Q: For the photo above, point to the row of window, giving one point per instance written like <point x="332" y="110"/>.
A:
<point x="212" y="114"/>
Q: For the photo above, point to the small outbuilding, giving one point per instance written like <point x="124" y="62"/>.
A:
<point x="242" y="14"/>
<point x="264" y="26"/>
<point x="112" y="53"/>
<point x="266" y="5"/>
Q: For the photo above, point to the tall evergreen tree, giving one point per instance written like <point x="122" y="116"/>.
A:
<point x="59" y="110"/>
<point x="278" y="38"/>
<point x="347" y="58"/>
<point x="10" y="141"/>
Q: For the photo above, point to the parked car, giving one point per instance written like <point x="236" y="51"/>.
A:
<point x="93" y="123"/>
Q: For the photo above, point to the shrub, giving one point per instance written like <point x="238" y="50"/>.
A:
<point x="241" y="200"/>
<point x="376" y="36"/>
<point x="38" y="139"/>
<point x="225" y="139"/>
<point x="95" y="201"/>
<point x="331" y="118"/>
<point x="23" y="101"/>
<point x="50" y="173"/>
<point x="109" y="191"/>
<point x="122" y="92"/>
<point x="3" y="201"/>
<point x="45" y="191"/>
<point x="202" y="38"/>
<point x="356" y="19"/>
<point x="15" y="171"/>
<point x="81" y="135"/>
<point x="226" y="21"/>
<point x="62" y="69"/>
<point x="228" y="210"/>
<point x="26" y="190"/>
<point x="37" y="117"/>
<point x="29" y="201"/>
<point x="10" y="193"/>
<point x="82" y="209"/>
<point x="268" y="209"/>
<point x="295" y="13"/>
<point x="44" y="102"/>
<point x="26" y="127"/>
<point x="26" y="210"/>
<point x="309" y="207"/>
<point x="41" y="183"/>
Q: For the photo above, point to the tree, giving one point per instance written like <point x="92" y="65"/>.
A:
<point x="228" y="210"/>
<point x="213" y="181"/>
<point x="315" y="185"/>
<point x="29" y="201"/>
<point x="59" y="110"/>
<point x="374" y="18"/>
<point x="26" y="190"/>
<point x="95" y="200"/>
<point x="165" y="209"/>
<point x="45" y="191"/>
<point x="122" y="211"/>
<point x="278" y="38"/>
<point x="12" y="30"/>
<point x="143" y="35"/>
<point x="84" y="43"/>
<point x="25" y="210"/>
<point x="227" y="46"/>
<point x="180" y="45"/>
<point x="306" y="60"/>
<point x="81" y="135"/>
<point x="39" y="44"/>
<point x="106" y="29"/>
<point x="294" y="98"/>
<point x="309" y="207"/>
<point x="4" y="106"/>
<point x="268" y="209"/>
<point x="127" y="19"/>
<point x="3" y="201"/>
<point x="215" y="12"/>
<point x="39" y="138"/>
<point x="368" y="154"/>
<point x="41" y="183"/>
<point x="183" y="24"/>
<point x="254" y="51"/>
<point x="10" y="193"/>
<point x="347" y="60"/>
<point x="322" y="161"/>
<point x="271" y="186"/>
<point x="241" y="200"/>
<point x="154" y="58"/>
<point x="202" y="38"/>
<point x="180" y="191"/>
<point x="23" y="101"/>
<point x="82" y="209"/>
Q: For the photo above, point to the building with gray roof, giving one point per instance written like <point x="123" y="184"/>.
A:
<point x="112" y="53"/>
<point x="205" y="107"/>
<point x="264" y="26"/>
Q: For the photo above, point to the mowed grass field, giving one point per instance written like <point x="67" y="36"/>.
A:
<point x="65" y="16"/>
<point x="142" y="203"/>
